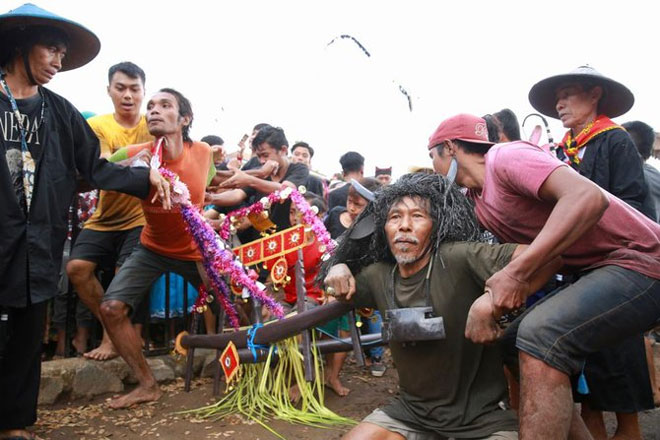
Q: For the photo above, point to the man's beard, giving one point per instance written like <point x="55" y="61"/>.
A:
<point x="407" y="259"/>
<point x="403" y="257"/>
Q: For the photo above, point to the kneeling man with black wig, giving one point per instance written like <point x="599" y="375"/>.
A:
<point x="415" y="254"/>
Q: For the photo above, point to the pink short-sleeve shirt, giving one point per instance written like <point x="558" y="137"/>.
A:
<point x="509" y="206"/>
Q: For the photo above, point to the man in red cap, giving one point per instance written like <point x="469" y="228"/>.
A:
<point x="522" y="194"/>
<point x="45" y="142"/>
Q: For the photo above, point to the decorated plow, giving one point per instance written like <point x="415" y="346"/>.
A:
<point x="263" y="362"/>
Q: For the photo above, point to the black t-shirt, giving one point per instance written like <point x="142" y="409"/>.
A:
<point x="10" y="138"/>
<point x="251" y="164"/>
<point x="338" y="196"/>
<point x="249" y="234"/>
<point x="333" y="222"/>
<point x="297" y="174"/>
<point x="314" y="185"/>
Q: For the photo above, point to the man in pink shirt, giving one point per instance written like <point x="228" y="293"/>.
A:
<point x="524" y="195"/>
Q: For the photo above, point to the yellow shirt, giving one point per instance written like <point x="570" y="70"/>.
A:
<point x="116" y="211"/>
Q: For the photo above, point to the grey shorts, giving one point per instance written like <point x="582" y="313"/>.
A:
<point x="380" y="418"/>
<point x="140" y="270"/>
<point x="599" y="310"/>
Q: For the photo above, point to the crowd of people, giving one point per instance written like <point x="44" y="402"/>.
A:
<point x="513" y="279"/>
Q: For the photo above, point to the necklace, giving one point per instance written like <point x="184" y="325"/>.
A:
<point x="27" y="164"/>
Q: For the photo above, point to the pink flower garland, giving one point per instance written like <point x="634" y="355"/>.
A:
<point x="217" y="258"/>
<point x="309" y="216"/>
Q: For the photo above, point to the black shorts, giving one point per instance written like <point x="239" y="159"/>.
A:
<point x="108" y="249"/>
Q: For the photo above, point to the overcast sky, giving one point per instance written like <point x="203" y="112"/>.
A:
<point x="245" y="62"/>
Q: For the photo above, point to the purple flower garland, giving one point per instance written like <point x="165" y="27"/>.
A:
<point x="217" y="258"/>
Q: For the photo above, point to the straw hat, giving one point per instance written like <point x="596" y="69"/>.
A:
<point x="83" y="44"/>
<point x="617" y="99"/>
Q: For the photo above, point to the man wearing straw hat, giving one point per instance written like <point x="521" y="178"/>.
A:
<point x="598" y="148"/>
<point x="43" y="142"/>
<point x="584" y="100"/>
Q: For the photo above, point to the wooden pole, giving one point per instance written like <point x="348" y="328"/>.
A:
<point x="301" y="293"/>
<point x="271" y="332"/>
<point x="191" y="353"/>
<point x="355" y="337"/>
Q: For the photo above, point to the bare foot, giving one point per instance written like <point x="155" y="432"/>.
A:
<point x="138" y="395"/>
<point x="335" y="385"/>
<point x="103" y="352"/>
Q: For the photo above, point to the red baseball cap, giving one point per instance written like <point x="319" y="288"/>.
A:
<point x="463" y="127"/>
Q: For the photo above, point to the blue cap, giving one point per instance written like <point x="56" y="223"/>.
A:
<point x="83" y="44"/>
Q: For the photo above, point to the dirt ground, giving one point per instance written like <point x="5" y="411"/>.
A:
<point x="94" y="420"/>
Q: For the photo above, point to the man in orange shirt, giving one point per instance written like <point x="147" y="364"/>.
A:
<point x="165" y="245"/>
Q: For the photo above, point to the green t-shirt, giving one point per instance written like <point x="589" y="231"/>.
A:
<point x="452" y="387"/>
